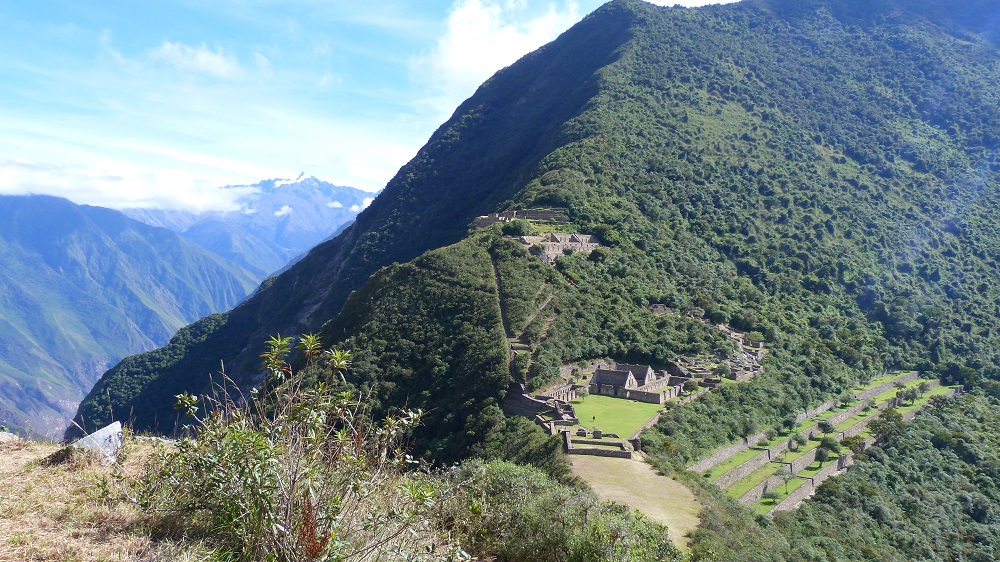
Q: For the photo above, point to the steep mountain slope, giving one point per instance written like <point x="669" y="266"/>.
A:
<point x="84" y="287"/>
<point x="476" y="160"/>
<point x="277" y="221"/>
<point x="823" y="172"/>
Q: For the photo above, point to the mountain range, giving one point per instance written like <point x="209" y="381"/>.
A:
<point x="822" y="172"/>
<point x="276" y="221"/>
<point x="82" y="288"/>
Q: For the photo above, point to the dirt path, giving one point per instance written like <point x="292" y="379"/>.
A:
<point x="636" y="484"/>
<point x="537" y="311"/>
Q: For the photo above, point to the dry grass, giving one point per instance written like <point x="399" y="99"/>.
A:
<point x="636" y="484"/>
<point x="57" y="512"/>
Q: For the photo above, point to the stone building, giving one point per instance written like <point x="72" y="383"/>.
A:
<point x="554" y="245"/>
<point x="637" y="382"/>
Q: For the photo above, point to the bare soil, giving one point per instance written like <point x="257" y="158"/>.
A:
<point x="636" y="484"/>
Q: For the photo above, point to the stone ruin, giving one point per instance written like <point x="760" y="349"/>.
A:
<point x="637" y="382"/>
<point x="550" y="215"/>
<point x="554" y="245"/>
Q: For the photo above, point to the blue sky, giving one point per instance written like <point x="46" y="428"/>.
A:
<point x="124" y="103"/>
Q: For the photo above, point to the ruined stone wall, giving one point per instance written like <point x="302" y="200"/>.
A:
<point x="656" y="385"/>
<point x="642" y="396"/>
<point x="516" y="404"/>
<point x="572" y="449"/>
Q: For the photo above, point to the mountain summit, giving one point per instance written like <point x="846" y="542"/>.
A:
<point x="277" y="221"/>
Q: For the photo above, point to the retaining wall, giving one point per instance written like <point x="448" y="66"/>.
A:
<point x="887" y="386"/>
<point x="846" y="459"/>
<point x="724" y="453"/>
<point x="757" y="492"/>
<point x="742" y="471"/>
<point x="805" y="460"/>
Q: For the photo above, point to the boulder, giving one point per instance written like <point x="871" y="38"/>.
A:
<point x="106" y="441"/>
<point x="7" y="437"/>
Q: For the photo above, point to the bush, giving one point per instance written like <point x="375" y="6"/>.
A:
<point x="516" y="513"/>
<point x="298" y="474"/>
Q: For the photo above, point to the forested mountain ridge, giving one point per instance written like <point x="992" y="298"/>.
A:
<point x="82" y="288"/>
<point x="823" y="172"/>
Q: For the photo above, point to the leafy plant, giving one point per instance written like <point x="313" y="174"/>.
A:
<point x="295" y="474"/>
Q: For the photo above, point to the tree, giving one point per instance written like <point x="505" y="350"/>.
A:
<point x="517" y="227"/>
<point x="830" y="444"/>
<point x="772" y="496"/>
<point x="785" y="475"/>
<point x="826" y="427"/>
<point x="854" y="443"/>
<point x="822" y="455"/>
<point x="889" y="424"/>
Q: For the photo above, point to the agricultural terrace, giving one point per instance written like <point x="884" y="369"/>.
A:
<point x="765" y="475"/>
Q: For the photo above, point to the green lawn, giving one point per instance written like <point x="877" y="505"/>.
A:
<point x="613" y="415"/>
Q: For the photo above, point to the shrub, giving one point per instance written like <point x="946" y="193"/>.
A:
<point x="516" y="513"/>
<point x="297" y="474"/>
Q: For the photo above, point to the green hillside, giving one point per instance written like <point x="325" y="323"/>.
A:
<point x="84" y="287"/>
<point x="823" y="172"/>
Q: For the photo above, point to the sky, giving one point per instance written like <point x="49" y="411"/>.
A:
<point x="158" y="104"/>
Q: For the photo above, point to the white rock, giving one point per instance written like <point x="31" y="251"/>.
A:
<point x="6" y="437"/>
<point x="107" y="441"/>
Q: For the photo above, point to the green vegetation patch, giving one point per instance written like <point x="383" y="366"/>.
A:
<point x="613" y="415"/>
<point x="732" y="462"/>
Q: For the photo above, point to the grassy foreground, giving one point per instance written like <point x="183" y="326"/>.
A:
<point x="57" y="512"/>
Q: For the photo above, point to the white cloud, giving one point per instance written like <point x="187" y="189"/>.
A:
<point x="201" y="60"/>
<point x="481" y="37"/>
<point x="117" y="184"/>
<point x="366" y="202"/>
<point x="355" y="208"/>
<point x="284" y="210"/>
<point x="335" y="205"/>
